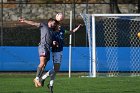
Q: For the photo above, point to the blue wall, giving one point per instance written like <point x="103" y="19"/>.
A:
<point x="27" y="59"/>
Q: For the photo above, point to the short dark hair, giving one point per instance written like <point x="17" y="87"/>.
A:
<point x="51" y="19"/>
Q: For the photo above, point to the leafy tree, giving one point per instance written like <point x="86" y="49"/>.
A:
<point x="114" y="6"/>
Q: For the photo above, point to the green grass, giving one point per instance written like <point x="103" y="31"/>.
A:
<point x="22" y="83"/>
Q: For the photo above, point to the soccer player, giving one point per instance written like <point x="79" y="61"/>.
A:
<point x="57" y="52"/>
<point x="47" y="33"/>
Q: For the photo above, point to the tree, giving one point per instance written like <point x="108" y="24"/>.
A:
<point x="114" y="6"/>
<point x="138" y="6"/>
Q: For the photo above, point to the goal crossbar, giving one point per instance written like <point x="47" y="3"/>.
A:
<point x="115" y="14"/>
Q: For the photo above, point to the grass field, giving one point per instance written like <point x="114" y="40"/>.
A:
<point x="22" y="83"/>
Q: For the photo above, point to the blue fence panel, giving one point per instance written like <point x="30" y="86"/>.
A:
<point x="18" y="58"/>
<point x="27" y="59"/>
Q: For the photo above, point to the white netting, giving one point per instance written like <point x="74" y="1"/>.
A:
<point x="135" y="44"/>
<point x="117" y="44"/>
<point x="88" y="22"/>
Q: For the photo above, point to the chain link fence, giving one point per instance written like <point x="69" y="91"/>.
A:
<point x="14" y="33"/>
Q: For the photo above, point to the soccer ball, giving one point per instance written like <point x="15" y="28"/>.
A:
<point x="138" y="34"/>
<point x="59" y="17"/>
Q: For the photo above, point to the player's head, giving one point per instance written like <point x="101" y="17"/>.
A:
<point x="59" y="17"/>
<point x="52" y="23"/>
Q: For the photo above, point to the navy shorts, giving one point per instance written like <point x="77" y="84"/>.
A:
<point x="43" y="51"/>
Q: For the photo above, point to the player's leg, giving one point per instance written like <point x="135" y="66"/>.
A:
<point x="43" y="77"/>
<point x="44" y="58"/>
<point x="50" y="85"/>
<point x="52" y="76"/>
<point x="40" y="66"/>
<point x="57" y="58"/>
<point x="47" y="55"/>
<point x="39" y="70"/>
<point x="49" y="73"/>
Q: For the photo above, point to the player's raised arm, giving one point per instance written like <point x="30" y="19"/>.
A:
<point x="74" y="30"/>
<point x="29" y="22"/>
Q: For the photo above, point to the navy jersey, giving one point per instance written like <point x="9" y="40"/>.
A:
<point x="59" y="37"/>
<point x="46" y="35"/>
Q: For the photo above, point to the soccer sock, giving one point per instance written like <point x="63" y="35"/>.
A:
<point x="51" y="72"/>
<point x="41" y="72"/>
<point x="46" y="75"/>
<point x="51" y="82"/>
<point x="52" y="78"/>
<point x="38" y="72"/>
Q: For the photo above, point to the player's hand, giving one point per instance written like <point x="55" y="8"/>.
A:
<point x="79" y="25"/>
<point x="74" y="30"/>
<point x="21" y="19"/>
<point x="55" y="44"/>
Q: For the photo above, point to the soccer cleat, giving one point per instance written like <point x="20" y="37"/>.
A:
<point x="50" y="88"/>
<point x="37" y="83"/>
<point x="42" y="82"/>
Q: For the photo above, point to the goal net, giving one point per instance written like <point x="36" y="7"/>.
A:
<point x="113" y="44"/>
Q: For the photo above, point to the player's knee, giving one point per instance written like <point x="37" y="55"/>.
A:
<point x="56" y="69"/>
<point x="41" y="65"/>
